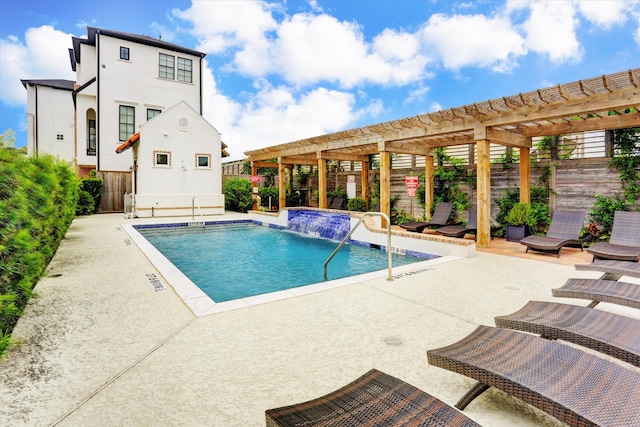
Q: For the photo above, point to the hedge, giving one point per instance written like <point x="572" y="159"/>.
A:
<point x="38" y="197"/>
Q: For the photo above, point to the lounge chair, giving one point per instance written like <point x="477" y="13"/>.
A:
<point x="611" y="334"/>
<point x="599" y="290"/>
<point x="460" y="230"/>
<point x="336" y="203"/>
<point x="564" y="231"/>
<point x="574" y="386"/>
<point x="375" y="399"/>
<point x="624" y="244"/>
<point x="439" y="218"/>
<point x="612" y="269"/>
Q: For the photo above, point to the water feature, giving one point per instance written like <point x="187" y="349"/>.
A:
<point x="329" y="225"/>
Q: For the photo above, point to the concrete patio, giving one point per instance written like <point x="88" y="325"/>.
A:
<point x="101" y="347"/>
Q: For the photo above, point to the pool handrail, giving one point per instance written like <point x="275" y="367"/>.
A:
<point x="335" y="251"/>
<point x="194" y="202"/>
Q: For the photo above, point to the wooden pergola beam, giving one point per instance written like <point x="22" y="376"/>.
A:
<point x="617" y="121"/>
<point x="502" y="137"/>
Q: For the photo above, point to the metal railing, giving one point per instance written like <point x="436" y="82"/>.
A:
<point x="344" y="240"/>
<point x="194" y="203"/>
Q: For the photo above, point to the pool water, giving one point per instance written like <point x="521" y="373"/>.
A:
<point x="240" y="260"/>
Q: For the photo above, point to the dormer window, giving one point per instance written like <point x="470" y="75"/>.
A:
<point x="124" y="53"/>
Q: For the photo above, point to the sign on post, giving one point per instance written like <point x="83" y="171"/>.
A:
<point x="411" y="183"/>
<point x="255" y="179"/>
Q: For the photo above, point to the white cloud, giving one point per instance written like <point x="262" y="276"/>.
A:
<point x="42" y="55"/>
<point x="551" y="30"/>
<point x="605" y="13"/>
<point x="473" y="41"/>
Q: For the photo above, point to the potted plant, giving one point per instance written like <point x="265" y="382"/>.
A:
<point x="519" y="221"/>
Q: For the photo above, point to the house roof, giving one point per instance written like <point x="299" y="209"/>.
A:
<point x="53" y="83"/>
<point x="92" y="32"/>
<point x="128" y="143"/>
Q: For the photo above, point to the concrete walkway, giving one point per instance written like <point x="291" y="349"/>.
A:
<point x="101" y="347"/>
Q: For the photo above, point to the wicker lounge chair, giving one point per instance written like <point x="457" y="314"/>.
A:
<point x="564" y="231"/>
<point x="611" y="334"/>
<point x="612" y="269"/>
<point x="336" y="203"/>
<point x="624" y="244"/>
<point x="375" y="399"/>
<point x="574" y="386"/>
<point x="439" y="218"/>
<point x="459" y="230"/>
<point x="599" y="290"/>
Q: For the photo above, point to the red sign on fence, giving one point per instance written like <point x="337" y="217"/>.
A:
<point x="411" y="182"/>
<point x="254" y="178"/>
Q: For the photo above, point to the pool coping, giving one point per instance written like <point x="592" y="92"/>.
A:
<point x="200" y="304"/>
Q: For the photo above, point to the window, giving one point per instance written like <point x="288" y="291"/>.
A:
<point x="151" y="113"/>
<point x="127" y="122"/>
<point x="124" y="53"/>
<point x="203" y="161"/>
<point x="184" y="70"/>
<point x="91" y="137"/>
<point x="161" y="158"/>
<point x="167" y="66"/>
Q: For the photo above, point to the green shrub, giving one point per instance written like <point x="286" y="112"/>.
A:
<point x="93" y="186"/>
<point x="237" y="195"/>
<point x="521" y="214"/>
<point x="86" y="204"/>
<point x="357" y="204"/>
<point x="268" y="192"/>
<point x="38" y="198"/>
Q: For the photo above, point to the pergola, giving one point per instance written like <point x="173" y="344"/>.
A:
<point x="611" y="101"/>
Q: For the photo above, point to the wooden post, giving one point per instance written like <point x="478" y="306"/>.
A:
<point x="254" y="195"/>
<point x="525" y="175"/>
<point x="322" y="183"/>
<point x="429" y="171"/>
<point x="385" y="185"/>
<point x="364" y="174"/>
<point x="483" y="235"/>
<point x="282" y="188"/>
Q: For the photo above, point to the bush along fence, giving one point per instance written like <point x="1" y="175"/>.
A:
<point x="38" y="197"/>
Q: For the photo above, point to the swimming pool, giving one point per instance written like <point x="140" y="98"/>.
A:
<point x="240" y="260"/>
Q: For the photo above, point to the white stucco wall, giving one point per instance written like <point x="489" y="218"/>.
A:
<point x="169" y="190"/>
<point x="135" y="83"/>
<point x="54" y="116"/>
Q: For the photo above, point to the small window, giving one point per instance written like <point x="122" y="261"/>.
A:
<point x="124" y="53"/>
<point x="203" y="161"/>
<point x="184" y="69"/>
<point x="166" y="67"/>
<point x="60" y="137"/>
<point x="161" y="158"/>
<point x="151" y="113"/>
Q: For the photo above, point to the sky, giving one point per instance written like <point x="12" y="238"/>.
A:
<point x="280" y="71"/>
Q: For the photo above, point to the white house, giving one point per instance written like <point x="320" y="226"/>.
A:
<point x="50" y="118"/>
<point x="123" y="80"/>
<point x="176" y="165"/>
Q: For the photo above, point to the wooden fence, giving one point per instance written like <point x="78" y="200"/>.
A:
<point x="115" y="185"/>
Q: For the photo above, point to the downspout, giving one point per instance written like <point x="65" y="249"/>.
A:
<point x="35" y="133"/>
<point x="201" y="59"/>
<point x="98" y="100"/>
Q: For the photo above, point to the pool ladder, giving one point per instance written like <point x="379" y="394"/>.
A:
<point x="194" y="203"/>
<point x="344" y="240"/>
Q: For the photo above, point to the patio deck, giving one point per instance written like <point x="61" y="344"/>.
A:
<point x="102" y="347"/>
